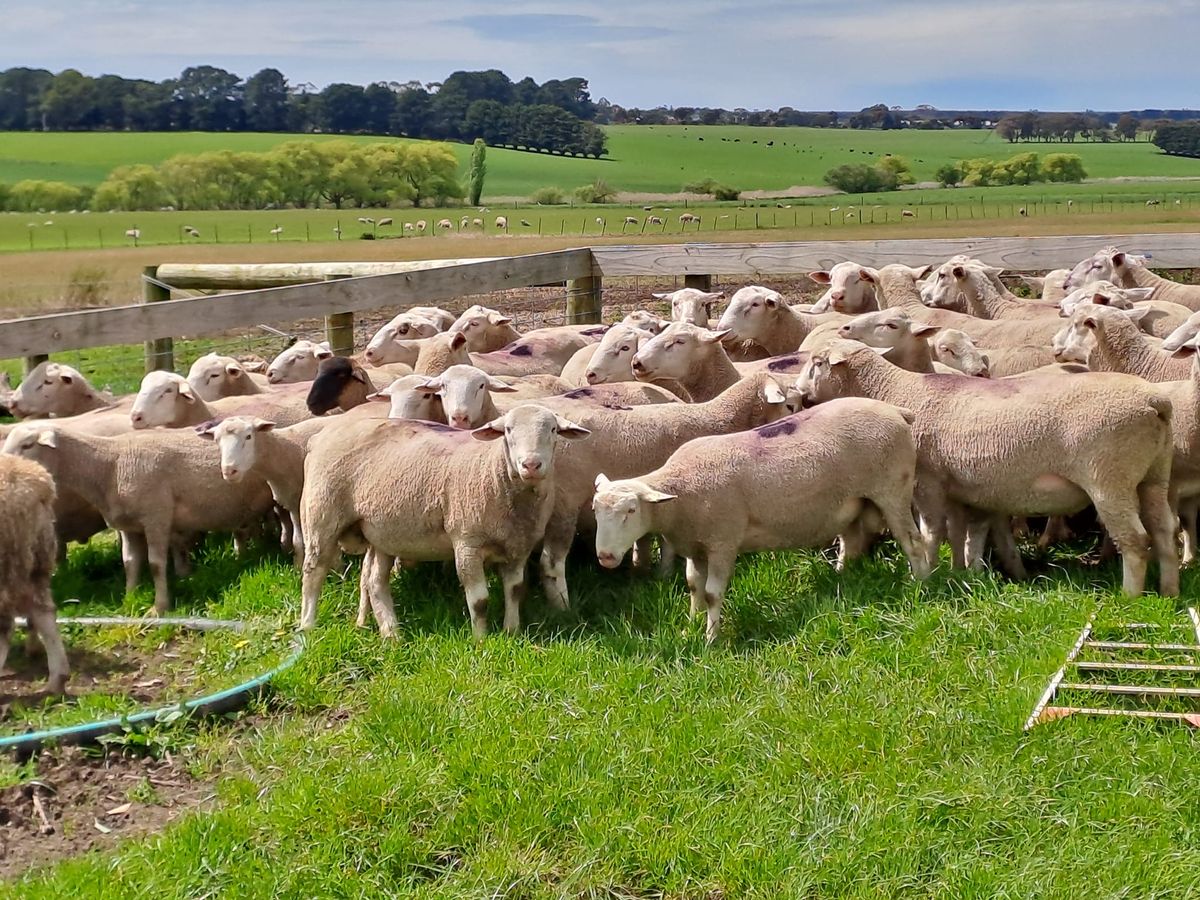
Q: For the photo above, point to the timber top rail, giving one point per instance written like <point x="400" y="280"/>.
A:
<point x="354" y="287"/>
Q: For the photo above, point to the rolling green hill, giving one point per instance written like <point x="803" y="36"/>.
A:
<point x="657" y="159"/>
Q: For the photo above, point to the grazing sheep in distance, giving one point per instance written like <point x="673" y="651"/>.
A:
<point x="28" y="550"/>
<point x="526" y="223"/>
<point x="686" y="218"/>
<point x="421" y="225"/>
<point x="477" y="223"/>
<point x="653" y="220"/>
<point x="408" y="226"/>
<point x="907" y="214"/>
<point x="502" y="222"/>
<point x="797" y="482"/>
<point x="632" y="220"/>
<point x="445" y="223"/>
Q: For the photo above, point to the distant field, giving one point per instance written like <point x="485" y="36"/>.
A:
<point x="650" y="159"/>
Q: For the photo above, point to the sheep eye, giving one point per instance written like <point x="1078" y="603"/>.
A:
<point x="892" y="326"/>
<point x="625" y="349"/>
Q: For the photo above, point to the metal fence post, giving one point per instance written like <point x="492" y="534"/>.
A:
<point x="160" y="352"/>
<point x="339" y="328"/>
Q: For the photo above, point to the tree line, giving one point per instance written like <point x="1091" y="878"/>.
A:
<point x="296" y="174"/>
<point x="1182" y="139"/>
<point x="555" y="116"/>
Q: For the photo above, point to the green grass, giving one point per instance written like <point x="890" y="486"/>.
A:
<point x="641" y="158"/>
<point x="854" y="735"/>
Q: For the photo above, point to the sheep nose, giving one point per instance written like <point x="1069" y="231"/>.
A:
<point x="592" y="378"/>
<point x="230" y="473"/>
<point x="460" y="420"/>
<point x="638" y="365"/>
<point x="837" y="295"/>
<point x="369" y="354"/>
<point x="844" y="331"/>
<point x="608" y="560"/>
<point x="531" y="467"/>
<point x="137" y="418"/>
<point x="272" y="376"/>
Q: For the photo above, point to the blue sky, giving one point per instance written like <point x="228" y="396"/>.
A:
<point x="810" y="54"/>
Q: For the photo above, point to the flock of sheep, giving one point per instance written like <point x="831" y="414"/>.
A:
<point x="930" y="404"/>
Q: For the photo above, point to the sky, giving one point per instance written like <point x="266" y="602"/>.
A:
<point x="808" y="54"/>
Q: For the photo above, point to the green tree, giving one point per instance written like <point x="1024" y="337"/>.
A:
<point x="477" y="171"/>
<point x="69" y="101"/>
<point x="896" y="171"/>
<point x="211" y="99"/>
<point x="131" y="187"/>
<point x="1063" y="167"/>
<point x="33" y="195"/>
<point x="948" y="175"/>
<point x="265" y="99"/>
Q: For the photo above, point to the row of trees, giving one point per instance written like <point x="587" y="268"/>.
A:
<point x="1024" y="168"/>
<point x="1067" y="127"/>
<point x="886" y="175"/>
<point x="1179" y="139"/>
<point x="553" y="116"/>
<point x="295" y="174"/>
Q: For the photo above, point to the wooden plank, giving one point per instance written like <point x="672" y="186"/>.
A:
<point x="1110" y="666"/>
<point x="1052" y="687"/>
<point x="584" y="303"/>
<point x="1139" y="690"/>
<point x="339" y="327"/>
<point x="1058" y="712"/>
<point x="251" y="276"/>
<point x="1169" y="251"/>
<point x="208" y="315"/>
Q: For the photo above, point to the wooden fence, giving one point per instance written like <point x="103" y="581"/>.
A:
<point x="338" y="290"/>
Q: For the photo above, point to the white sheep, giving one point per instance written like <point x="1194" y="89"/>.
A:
<point x="502" y="222"/>
<point x="691" y="304"/>
<point x="54" y="390"/>
<point x="478" y="497"/>
<point x="28" y="550"/>
<point x="213" y="377"/>
<point x="848" y="292"/>
<point x="797" y="482"/>
<point x="298" y="362"/>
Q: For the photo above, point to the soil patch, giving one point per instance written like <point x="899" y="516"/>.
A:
<point x="145" y="674"/>
<point x="79" y="802"/>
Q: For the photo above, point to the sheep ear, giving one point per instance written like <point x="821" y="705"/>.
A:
<point x="602" y="481"/>
<point x="716" y="295"/>
<point x="500" y="387"/>
<point x="993" y="271"/>
<point x="359" y="375"/>
<point x="917" y="274"/>
<point x="1090" y="322"/>
<point x="1138" y="312"/>
<point x="652" y="496"/>
<point x="1185" y="351"/>
<point x="493" y="430"/>
<point x="773" y="393"/>
<point x="323" y="351"/>
<point x="66" y="378"/>
<point x="715" y="337"/>
<point x="383" y="398"/>
<point x="569" y="430"/>
<point x="772" y="300"/>
<point x="185" y="391"/>
<point x="959" y="272"/>
<point x="872" y="276"/>
<point x="429" y="386"/>
<point x="840" y="354"/>
<point x="921" y="329"/>
<point x="658" y="296"/>
<point x="1137" y="295"/>
<point x="233" y="369"/>
<point x="208" y="431"/>
<point x="263" y="425"/>
<point x="1118" y="258"/>
<point x="46" y="438"/>
<point x="498" y="319"/>
<point x="1100" y="299"/>
<point x="458" y="339"/>
<point x="819" y="277"/>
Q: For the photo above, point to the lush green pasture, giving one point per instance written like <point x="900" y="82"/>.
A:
<point x="854" y="735"/>
<point x="653" y="159"/>
<point x="66" y="231"/>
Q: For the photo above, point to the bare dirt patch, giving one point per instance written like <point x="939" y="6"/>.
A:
<point x="79" y="802"/>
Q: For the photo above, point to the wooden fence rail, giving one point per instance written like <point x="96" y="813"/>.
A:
<point x="349" y="289"/>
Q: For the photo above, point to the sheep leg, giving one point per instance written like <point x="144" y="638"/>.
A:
<point x="720" y="570"/>
<point x="1056" y="530"/>
<point x="158" y="552"/>
<point x="471" y="576"/>
<point x="697" y="575"/>
<point x="666" y="558"/>
<point x="1162" y="523"/>
<point x="560" y="532"/>
<point x="42" y="617"/>
<point x="852" y="543"/>
<point x="297" y="539"/>
<point x="512" y="575"/>
<point x="956" y="528"/>
<point x="380" y="593"/>
<point x="1187" y="530"/>
<point x="975" y="544"/>
<point x="318" y="560"/>
<point x="287" y="529"/>
<point x="897" y="513"/>
<point x="1119" y="515"/>
<point x="365" y="574"/>
<point x="133" y="557"/>
<point x="643" y="552"/>
<point x="1005" y="545"/>
<point x="181" y="555"/>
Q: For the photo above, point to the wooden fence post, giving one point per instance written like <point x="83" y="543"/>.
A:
<point x="699" y="282"/>
<point x="29" y="363"/>
<point x="339" y="328"/>
<point x="583" y="300"/>
<point x="160" y="352"/>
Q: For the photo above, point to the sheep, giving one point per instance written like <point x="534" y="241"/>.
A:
<point x="1108" y="341"/>
<point x="298" y="362"/>
<point x="688" y="218"/>
<point x="654" y="220"/>
<point x="1049" y="286"/>
<point x="1052" y="445"/>
<point x="394" y="342"/>
<point x="342" y="384"/>
<point x="907" y="214"/>
<point x="465" y="393"/>
<point x="606" y="361"/>
<point x="760" y="315"/>
<point x="408" y="226"/>
<point x="847" y="293"/>
<point x="526" y="223"/>
<point x="421" y="225"/>
<point x="166" y="400"/>
<point x="976" y="283"/>
<point x="445" y="223"/>
<point x="955" y="349"/>
<point x="154" y="485"/>
<point x="251" y="446"/>
<point x="906" y="342"/>
<point x="798" y="482"/>
<point x="485" y="329"/>
<point x="502" y="222"/>
<point x="646" y="321"/>
<point x="28" y="550"/>
<point x="463" y="223"/>
<point x="543" y="351"/>
<point x="477" y="223"/>
<point x="421" y="491"/>
<point x="630" y="220"/>
<point x="213" y="377"/>
<point x="1127" y="270"/>
<point x="630" y="442"/>
<point x="1184" y="334"/>
<point x="689" y="355"/>
<point x="54" y="390"/>
<point x="5" y="394"/>
<point x="691" y="305"/>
